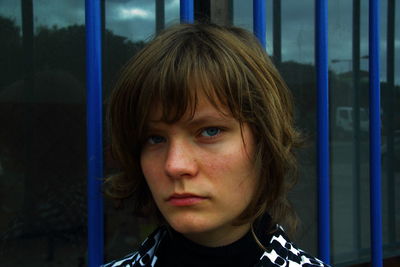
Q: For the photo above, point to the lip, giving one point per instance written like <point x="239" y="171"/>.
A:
<point x="185" y="199"/>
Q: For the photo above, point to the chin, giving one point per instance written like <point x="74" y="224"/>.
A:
<point x="190" y="225"/>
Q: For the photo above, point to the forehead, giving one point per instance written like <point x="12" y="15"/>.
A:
<point x="201" y="107"/>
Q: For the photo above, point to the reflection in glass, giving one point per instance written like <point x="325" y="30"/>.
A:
<point x="42" y="108"/>
<point x="42" y="153"/>
<point x="128" y="25"/>
<point x="350" y="129"/>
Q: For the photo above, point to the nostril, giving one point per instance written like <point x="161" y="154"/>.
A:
<point x="180" y="167"/>
<point x="180" y="159"/>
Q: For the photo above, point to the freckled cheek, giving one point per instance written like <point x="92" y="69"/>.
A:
<point x="234" y="158"/>
<point x="235" y="166"/>
<point x="150" y="168"/>
<point x="239" y="169"/>
<point x="220" y="163"/>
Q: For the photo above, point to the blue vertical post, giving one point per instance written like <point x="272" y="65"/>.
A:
<point x="187" y="11"/>
<point x="321" y="61"/>
<point x="94" y="133"/>
<point x="259" y="21"/>
<point x="375" y="136"/>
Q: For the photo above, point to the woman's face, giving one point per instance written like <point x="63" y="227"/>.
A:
<point x="200" y="173"/>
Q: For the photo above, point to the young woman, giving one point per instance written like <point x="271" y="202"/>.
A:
<point x="202" y="125"/>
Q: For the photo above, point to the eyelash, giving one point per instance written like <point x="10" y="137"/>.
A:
<point x="219" y="129"/>
<point x="152" y="136"/>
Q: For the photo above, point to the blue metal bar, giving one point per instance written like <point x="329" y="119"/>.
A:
<point x="187" y="11"/>
<point x="375" y="135"/>
<point x="321" y="61"/>
<point x="260" y="21"/>
<point x="94" y="133"/>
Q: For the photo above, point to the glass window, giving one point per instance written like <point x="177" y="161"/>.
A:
<point x="348" y="64"/>
<point x="42" y="150"/>
<point x="42" y="107"/>
<point x="128" y="26"/>
<point x="293" y="22"/>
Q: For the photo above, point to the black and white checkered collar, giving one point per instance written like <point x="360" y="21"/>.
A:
<point x="279" y="252"/>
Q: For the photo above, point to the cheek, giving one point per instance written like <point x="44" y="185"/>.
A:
<point x="236" y="161"/>
<point x="242" y="177"/>
<point x="150" y="170"/>
<point x="144" y="164"/>
<point x="231" y="170"/>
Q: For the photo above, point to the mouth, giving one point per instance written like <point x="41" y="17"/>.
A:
<point x="185" y="199"/>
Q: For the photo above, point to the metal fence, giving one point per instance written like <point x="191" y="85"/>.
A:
<point x="94" y="127"/>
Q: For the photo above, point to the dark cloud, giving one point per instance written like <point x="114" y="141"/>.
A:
<point x="298" y="31"/>
<point x="135" y="19"/>
<point x="132" y="19"/>
<point x="11" y="9"/>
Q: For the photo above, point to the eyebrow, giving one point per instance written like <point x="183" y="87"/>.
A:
<point x="198" y="120"/>
<point x="203" y="119"/>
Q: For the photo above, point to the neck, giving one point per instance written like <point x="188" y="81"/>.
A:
<point x="219" y="237"/>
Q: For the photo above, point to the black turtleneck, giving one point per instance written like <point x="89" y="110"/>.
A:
<point x="176" y="250"/>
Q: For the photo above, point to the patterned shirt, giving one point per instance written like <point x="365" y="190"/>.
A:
<point x="279" y="252"/>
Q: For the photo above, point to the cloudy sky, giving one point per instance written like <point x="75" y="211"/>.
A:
<point x="135" y="19"/>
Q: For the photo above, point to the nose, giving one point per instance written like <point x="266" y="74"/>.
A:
<point x="180" y="161"/>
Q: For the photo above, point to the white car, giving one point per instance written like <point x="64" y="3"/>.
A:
<point x="344" y="120"/>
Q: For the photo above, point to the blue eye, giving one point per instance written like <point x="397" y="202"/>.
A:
<point x="210" y="131"/>
<point x="156" y="139"/>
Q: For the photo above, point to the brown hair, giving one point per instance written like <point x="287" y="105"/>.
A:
<point x="228" y="66"/>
